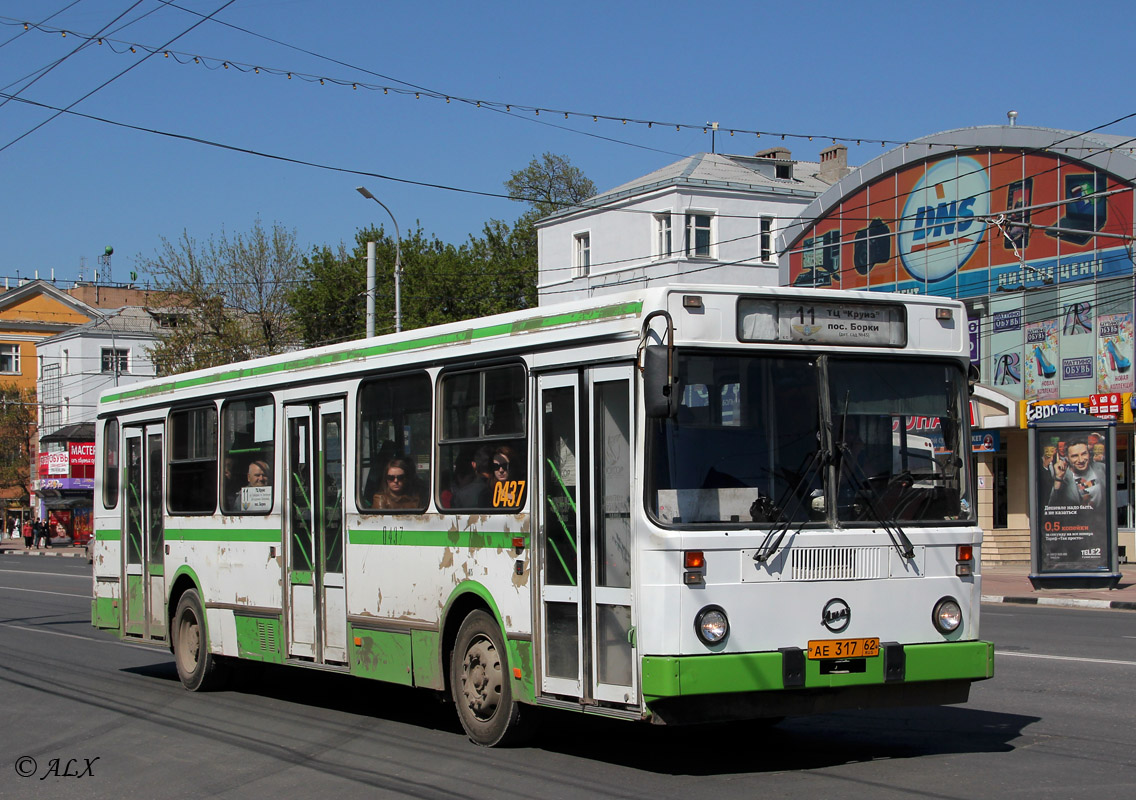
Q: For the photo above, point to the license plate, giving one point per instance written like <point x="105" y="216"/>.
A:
<point x="844" y="648"/>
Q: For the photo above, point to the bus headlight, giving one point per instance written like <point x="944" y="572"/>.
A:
<point x="947" y="615"/>
<point x="711" y="625"/>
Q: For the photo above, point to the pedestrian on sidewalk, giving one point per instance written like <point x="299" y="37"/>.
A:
<point x="28" y="533"/>
<point x="40" y="531"/>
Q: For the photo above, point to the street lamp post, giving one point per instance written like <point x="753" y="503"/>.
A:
<point x="371" y="271"/>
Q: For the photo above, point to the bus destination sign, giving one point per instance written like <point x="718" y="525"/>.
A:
<point x="856" y="324"/>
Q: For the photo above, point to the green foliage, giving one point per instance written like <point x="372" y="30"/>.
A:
<point x="440" y="282"/>
<point x="17" y="437"/>
<point x="230" y="294"/>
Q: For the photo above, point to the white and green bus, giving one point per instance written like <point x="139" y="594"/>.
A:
<point x="681" y="504"/>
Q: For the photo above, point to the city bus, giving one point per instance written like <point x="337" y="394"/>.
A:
<point x="681" y="504"/>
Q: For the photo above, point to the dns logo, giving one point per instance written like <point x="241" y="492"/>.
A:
<point x="943" y="219"/>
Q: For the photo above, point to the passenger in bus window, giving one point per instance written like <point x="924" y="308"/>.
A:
<point x="472" y="479"/>
<point x="508" y="478"/>
<point x="400" y="486"/>
<point x="259" y="474"/>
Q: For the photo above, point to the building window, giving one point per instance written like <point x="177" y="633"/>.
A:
<point x="662" y="235"/>
<point x="10" y="359"/>
<point x="698" y="235"/>
<point x="582" y="258"/>
<point x="115" y="360"/>
<point x="767" y="239"/>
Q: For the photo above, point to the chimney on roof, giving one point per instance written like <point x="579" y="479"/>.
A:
<point x="833" y="163"/>
<point x="780" y="153"/>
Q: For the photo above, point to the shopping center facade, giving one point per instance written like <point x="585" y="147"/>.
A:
<point x="1033" y="229"/>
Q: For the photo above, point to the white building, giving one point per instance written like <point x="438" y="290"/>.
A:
<point x="708" y="218"/>
<point x="76" y="366"/>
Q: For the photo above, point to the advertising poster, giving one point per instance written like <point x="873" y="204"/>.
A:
<point x="1114" y="353"/>
<point x="1040" y="359"/>
<point x="1078" y="343"/>
<point x="1073" y="519"/>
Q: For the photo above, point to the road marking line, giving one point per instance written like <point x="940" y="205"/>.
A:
<point x="42" y="591"/>
<point x="54" y="574"/>
<point x="75" y="636"/>
<point x="1066" y="658"/>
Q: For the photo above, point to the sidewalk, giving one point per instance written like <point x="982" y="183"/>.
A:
<point x="1002" y="584"/>
<point x="15" y="547"/>
<point x="1012" y="585"/>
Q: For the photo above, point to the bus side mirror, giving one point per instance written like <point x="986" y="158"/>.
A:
<point x="660" y="390"/>
<point x="973" y="376"/>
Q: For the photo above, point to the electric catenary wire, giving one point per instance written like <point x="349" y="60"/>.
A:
<point x="407" y="88"/>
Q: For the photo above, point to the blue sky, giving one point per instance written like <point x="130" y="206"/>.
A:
<point x="869" y="70"/>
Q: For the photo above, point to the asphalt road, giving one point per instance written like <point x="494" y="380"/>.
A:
<point x="85" y="715"/>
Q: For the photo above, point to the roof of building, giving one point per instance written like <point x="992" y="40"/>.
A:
<point x="80" y="432"/>
<point x="125" y="320"/>
<point x="753" y="174"/>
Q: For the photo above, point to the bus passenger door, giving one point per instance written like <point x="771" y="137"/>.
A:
<point x="143" y="508"/>
<point x="584" y="519"/>
<point x="614" y="676"/>
<point x="317" y="619"/>
<point x="558" y="516"/>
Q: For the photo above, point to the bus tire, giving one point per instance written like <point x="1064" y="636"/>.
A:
<point x="199" y="670"/>
<point x="480" y="683"/>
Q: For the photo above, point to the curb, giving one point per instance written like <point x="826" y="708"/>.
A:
<point x="43" y="554"/>
<point x="1065" y="602"/>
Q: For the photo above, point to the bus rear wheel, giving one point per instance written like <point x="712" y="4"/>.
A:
<point x="480" y="684"/>
<point x="199" y="670"/>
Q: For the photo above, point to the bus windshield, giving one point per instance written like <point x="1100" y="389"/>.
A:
<point x="772" y="440"/>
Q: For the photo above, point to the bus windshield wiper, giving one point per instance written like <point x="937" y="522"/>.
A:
<point x="895" y="532"/>
<point x="769" y="546"/>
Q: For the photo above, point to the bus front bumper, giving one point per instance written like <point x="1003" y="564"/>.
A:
<point x="726" y="686"/>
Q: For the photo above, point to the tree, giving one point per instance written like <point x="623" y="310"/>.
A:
<point x="441" y="282"/>
<point x="548" y="184"/>
<point x="231" y="294"/>
<point x="17" y="440"/>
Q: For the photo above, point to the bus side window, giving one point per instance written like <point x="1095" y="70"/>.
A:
<point x="248" y="441"/>
<point x="193" y="461"/>
<point x="110" y="464"/>
<point x="395" y="437"/>
<point x="482" y="441"/>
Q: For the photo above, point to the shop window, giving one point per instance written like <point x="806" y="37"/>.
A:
<point x="193" y="461"/>
<point x="395" y="440"/>
<point x="248" y="441"/>
<point x="482" y="444"/>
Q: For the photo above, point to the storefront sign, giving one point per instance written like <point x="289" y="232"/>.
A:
<point x="81" y="453"/>
<point x="58" y="464"/>
<point x="1099" y="405"/>
<point x="985" y="441"/>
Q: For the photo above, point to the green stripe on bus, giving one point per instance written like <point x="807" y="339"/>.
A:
<point x="226" y="534"/>
<point x="306" y="362"/>
<point x="675" y="676"/>
<point x="467" y="538"/>
<point x="108" y="535"/>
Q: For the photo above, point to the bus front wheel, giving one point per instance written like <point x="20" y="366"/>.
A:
<point x="199" y="670"/>
<point x="480" y="684"/>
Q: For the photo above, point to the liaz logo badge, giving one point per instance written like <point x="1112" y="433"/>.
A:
<point x="836" y="615"/>
<point x="943" y="219"/>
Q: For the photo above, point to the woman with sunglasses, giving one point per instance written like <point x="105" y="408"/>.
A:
<point x="505" y="470"/>
<point x="400" y="486"/>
